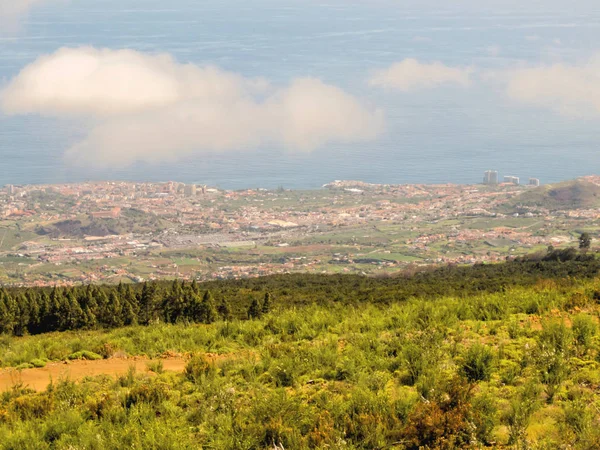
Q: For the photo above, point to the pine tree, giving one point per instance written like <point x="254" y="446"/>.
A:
<point x="71" y="314"/>
<point x="22" y="315"/>
<point x="224" y="310"/>
<point x="116" y="310"/>
<point x="208" y="305"/>
<point x="266" y="306"/>
<point x="45" y="313"/>
<point x="103" y="314"/>
<point x="174" y="304"/>
<point x="197" y="311"/>
<point x="585" y="241"/>
<point x="132" y="299"/>
<point x="88" y="298"/>
<point x="34" y="311"/>
<point x="254" y="311"/>
<point x="7" y="318"/>
<point x="90" y="321"/>
<point x="128" y="314"/>
<point x="56" y="301"/>
<point x="148" y="304"/>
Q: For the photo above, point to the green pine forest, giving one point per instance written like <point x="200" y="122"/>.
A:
<point x="487" y="356"/>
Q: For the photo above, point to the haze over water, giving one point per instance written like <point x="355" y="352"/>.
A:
<point x="438" y="135"/>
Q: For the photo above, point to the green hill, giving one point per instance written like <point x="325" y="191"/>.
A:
<point x="489" y="356"/>
<point x="575" y="194"/>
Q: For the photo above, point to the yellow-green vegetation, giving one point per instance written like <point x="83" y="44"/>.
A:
<point x="575" y="194"/>
<point x="517" y="366"/>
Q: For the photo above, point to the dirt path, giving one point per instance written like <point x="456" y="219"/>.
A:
<point x="39" y="379"/>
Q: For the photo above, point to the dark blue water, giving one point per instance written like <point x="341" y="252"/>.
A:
<point x="443" y="135"/>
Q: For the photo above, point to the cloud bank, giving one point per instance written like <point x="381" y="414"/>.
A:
<point x="410" y="74"/>
<point x="152" y="108"/>
<point x="567" y="89"/>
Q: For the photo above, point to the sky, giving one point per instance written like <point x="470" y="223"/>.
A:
<point x="298" y="89"/>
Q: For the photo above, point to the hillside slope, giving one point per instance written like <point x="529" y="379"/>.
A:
<point x="570" y="195"/>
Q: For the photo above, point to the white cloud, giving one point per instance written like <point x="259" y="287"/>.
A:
<point x="410" y="74"/>
<point x="568" y="89"/>
<point x="88" y="81"/>
<point x="13" y="11"/>
<point x="152" y="108"/>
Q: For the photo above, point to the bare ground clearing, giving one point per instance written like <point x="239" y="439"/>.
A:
<point x="38" y="379"/>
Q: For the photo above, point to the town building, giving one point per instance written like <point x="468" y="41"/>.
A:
<point x="190" y="190"/>
<point x="490" y="177"/>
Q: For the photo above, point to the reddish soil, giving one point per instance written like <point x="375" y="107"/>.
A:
<point x="38" y="379"/>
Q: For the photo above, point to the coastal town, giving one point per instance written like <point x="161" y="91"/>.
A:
<point x="125" y="231"/>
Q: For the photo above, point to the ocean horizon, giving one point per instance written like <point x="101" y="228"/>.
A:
<point x="443" y="135"/>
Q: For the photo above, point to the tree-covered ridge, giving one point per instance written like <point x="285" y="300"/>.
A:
<point x="35" y="310"/>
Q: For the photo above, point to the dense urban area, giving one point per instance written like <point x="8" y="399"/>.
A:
<point x="121" y="231"/>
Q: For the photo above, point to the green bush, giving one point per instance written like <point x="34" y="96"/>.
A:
<point x="521" y="409"/>
<point x="84" y="354"/>
<point x="477" y="363"/>
<point x="509" y="372"/>
<point x="35" y="406"/>
<point x="156" y="366"/>
<point x="584" y="329"/>
<point x="198" y="368"/>
<point x="23" y="366"/>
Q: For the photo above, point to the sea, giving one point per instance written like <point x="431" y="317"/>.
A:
<point x="443" y="135"/>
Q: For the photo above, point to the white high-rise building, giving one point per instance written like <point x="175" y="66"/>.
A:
<point x="490" y="177"/>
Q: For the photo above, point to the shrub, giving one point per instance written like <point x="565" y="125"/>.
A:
<point x="23" y="366"/>
<point x="283" y="376"/>
<point x="519" y="414"/>
<point x="414" y="359"/>
<point x="129" y="378"/>
<point x="155" y="366"/>
<point x="198" y="368"/>
<point x="553" y="348"/>
<point x="484" y="417"/>
<point x="477" y="364"/>
<point x="514" y="329"/>
<point x="510" y="372"/>
<point x="85" y="354"/>
<point x="444" y="422"/>
<point x="555" y="336"/>
<point x="578" y="418"/>
<point x="150" y="393"/>
<point x="553" y="371"/>
<point x="34" y="406"/>
<point x="584" y="329"/>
